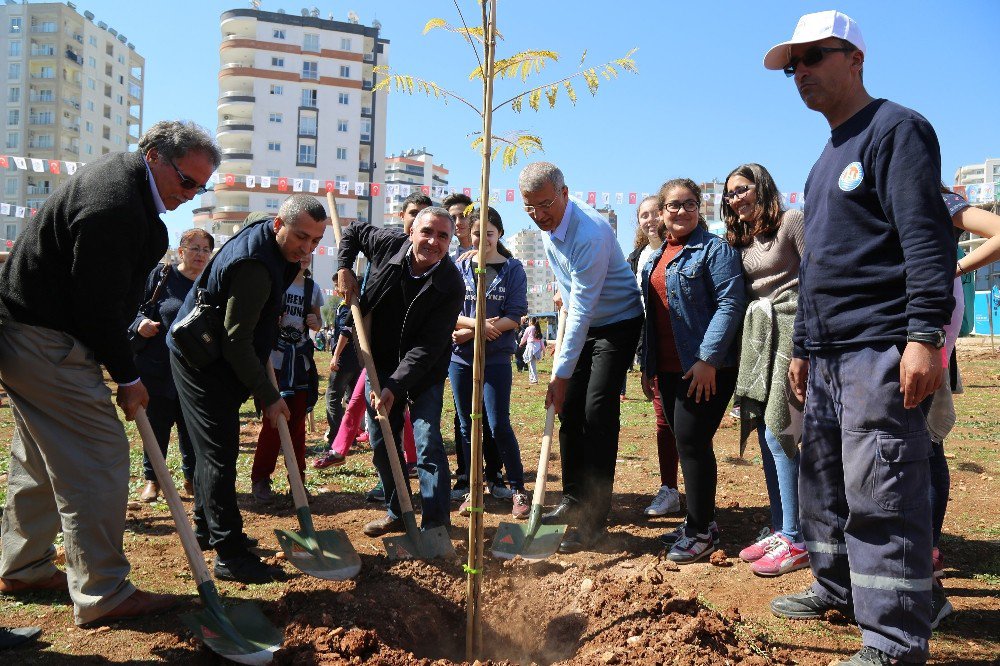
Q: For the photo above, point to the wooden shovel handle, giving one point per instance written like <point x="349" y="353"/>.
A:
<point x="191" y="549"/>
<point x="550" y="420"/>
<point x="299" y="496"/>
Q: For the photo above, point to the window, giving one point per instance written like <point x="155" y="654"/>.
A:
<point x="273" y="173"/>
<point x="121" y="58"/>
<point x="310" y="42"/>
<point x="14" y="95"/>
<point x="118" y="140"/>
<point x="90" y="105"/>
<point x="89" y="126"/>
<point x="274" y="118"/>
<point x="274" y="146"/>
<point x="308" y="97"/>
<point x="366" y="129"/>
<point x="15" y="25"/>
<point x="92" y="62"/>
<point x="11" y="186"/>
<point x="121" y="80"/>
<point x="343" y="98"/>
<point x="14" y="71"/>
<point x="310" y="70"/>
<point x="307" y="154"/>
<point x="91" y="83"/>
<point x="14" y="117"/>
<point x="46" y="73"/>
<point x="119" y="120"/>
<point x="345" y="71"/>
<point x="106" y="133"/>
<point x="341" y="125"/>
<point x="107" y="69"/>
<point x="120" y="99"/>
<point x="88" y="149"/>
<point x="307" y="126"/>
<point x="277" y="90"/>
<point x="109" y="48"/>
<point x="10" y="231"/>
<point x="341" y="153"/>
<point x="278" y="34"/>
<point x="92" y="40"/>
<point x="345" y="43"/>
<point x="277" y="62"/>
<point x="13" y="139"/>
<point x="15" y="48"/>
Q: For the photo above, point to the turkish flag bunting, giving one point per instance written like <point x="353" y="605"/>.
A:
<point x="631" y="197"/>
<point x="425" y="189"/>
<point x="792" y="197"/>
<point x="592" y="198"/>
<point x="321" y="249"/>
<point x="10" y="243"/>
<point x="33" y="211"/>
<point x="282" y="184"/>
<point x="375" y="189"/>
<point x="510" y="195"/>
<point x="3" y="161"/>
<point x="330" y="186"/>
<point x="230" y="179"/>
<point x="467" y="191"/>
<point x="54" y="166"/>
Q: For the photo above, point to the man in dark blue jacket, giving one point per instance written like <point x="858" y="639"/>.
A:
<point x="875" y="293"/>
<point x="247" y="281"/>
<point x="413" y="275"/>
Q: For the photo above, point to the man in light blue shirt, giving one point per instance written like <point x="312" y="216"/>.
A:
<point x="604" y="319"/>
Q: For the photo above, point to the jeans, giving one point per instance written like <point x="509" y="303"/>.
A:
<point x="163" y="413"/>
<point x="590" y="421"/>
<point x="432" y="462"/>
<point x="781" y="474"/>
<point x="497" y="381"/>
<point x="341" y="385"/>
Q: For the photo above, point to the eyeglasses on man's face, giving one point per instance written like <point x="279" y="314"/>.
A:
<point x="812" y="57"/>
<point x="690" y="205"/>
<point x="187" y="182"/>
<point x="737" y="193"/>
<point x="531" y="210"/>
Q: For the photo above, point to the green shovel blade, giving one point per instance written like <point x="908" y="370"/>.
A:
<point x="239" y="633"/>
<point x="513" y="539"/>
<point x="424" y="545"/>
<point x="327" y="554"/>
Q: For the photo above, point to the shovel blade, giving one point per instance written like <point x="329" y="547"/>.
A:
<point x="512" y="539"/>
<point x="239" y="633"/>
<point x="424" y="545"/>
<point x="328" y="554"/>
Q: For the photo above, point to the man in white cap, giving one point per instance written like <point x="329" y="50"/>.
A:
<point x="875" y="293"/>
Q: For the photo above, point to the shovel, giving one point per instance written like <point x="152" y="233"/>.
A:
<point x="239" y="633"/>
<point x="328" y="554"/>
<point x="416" y="544"/>
<point x="534" y="541"/>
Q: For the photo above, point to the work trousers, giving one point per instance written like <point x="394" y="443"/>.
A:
<point x="863" y="493"/>
<point x="164" y="413"/>
<point x="69" y="469"/>
<point x="591" y="420"/>
<point x="211" y="410"/>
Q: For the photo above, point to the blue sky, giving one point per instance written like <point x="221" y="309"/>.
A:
<point x="701" y="104"/>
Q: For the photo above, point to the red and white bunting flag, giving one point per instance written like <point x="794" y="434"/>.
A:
<point x="405" y="190"/>
<point x="54" y="166"/>
<point x="645" y="194"/>
<point x="793" y="197"/>
<point x="4" y="162"/>
<point x="592" y="198"/>
<point x="321" y="250"/>
<point x="495" y="195"/>
<point x="578" y="195"/>
<point x="467" y="191"/>
<point x="425" y="190"/>
<point x="10" y="243"/>
<point x="230" y="179"/>
<point x="4" y="209"/>
<point x="251" y="182"/>
<point x="19" y="211"/>
<point x="297" y="184"/>
<point x="376" y="188"/>
<point x="510" y="195"/>
<point x="33" y="211"/>
<point x="631" y="197"/>
<point x="282" y="184"/>
<point x="329" y="185"/>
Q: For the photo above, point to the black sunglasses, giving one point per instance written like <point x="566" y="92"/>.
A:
<point x="187" y="182"/>
<point x="812" y="56"/>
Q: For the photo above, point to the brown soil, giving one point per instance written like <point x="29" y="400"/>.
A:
<point x="623" y="604"/>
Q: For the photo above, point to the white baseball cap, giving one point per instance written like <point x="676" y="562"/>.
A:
<point x="813" y="28"/>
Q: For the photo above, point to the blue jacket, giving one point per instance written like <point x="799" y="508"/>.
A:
<point x="706" y="296"/>
<point x="506" y="297"/>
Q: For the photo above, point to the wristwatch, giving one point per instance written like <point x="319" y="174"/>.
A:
<point x="935" y="338"/>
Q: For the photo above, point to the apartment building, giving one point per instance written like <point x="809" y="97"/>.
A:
<point x="973" y="176"/>
<point x="74" y="92"/>
<point x="528" y="247"/>
<point x="297" y="109"/>
<point x="408" y="172"/>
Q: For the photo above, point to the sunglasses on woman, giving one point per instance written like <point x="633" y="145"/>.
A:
<point x="813" y="56"/>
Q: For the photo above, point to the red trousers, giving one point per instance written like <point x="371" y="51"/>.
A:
<point x="269" y="443"/>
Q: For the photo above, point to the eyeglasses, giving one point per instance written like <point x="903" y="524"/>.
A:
<point x="200" y="250"/>
<point x="813" y="56"/>
<point x="737" y="193"/>
<point x="531" y="210"/>
<point x="690" y="205"/>
<point x="187" y="182"/>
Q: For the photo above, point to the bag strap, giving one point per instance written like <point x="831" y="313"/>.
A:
<point x="307" y="297"/>
<point x="164" y="274"/>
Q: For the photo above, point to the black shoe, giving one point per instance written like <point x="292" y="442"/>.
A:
<point x="11" y="638"/>
<point x="564" y="514"/>
<point x="376" y="494"/>
<point x="940" y="606"/>
<point x="247" y="569"/>
<point x="577" y="540"/>
<point x="248" y="543"/>
<point x="803" y="606"/>
<point x="868" y="656"/>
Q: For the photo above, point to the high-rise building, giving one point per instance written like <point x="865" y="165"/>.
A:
<point x="609" y="214"/>
<point x="410" y="171"/>
<point x="74" y="92"/>
<point x="978" y="174"/>
<point x="528" y="247"/>
<point x="296" y="101"/>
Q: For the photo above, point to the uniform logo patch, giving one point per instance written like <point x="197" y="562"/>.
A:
<point x="851" y="176"/>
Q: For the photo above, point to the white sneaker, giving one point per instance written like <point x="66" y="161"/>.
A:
<point x="501" y="492"/>
<point x="667" y="500"/>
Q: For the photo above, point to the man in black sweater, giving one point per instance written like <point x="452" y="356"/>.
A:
<point x="875" y="293"/>
<point x="410" y="276"/>
<point x="67" y="295"/>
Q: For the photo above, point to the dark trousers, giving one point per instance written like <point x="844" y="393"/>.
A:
<point x="211" y="411"/>
<point x="519" y="358"/>
<point x="666" y="447"/>
<point x="863" y="497"/>
<point x="493" y="472"/>
<point x="341" y="385"/>
<point x="694" y="425"/>
<point x="590" y="420"/>
<point x="164" y="413"/>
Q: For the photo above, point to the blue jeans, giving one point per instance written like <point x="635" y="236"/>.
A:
<point x="497" y="381"/>
<point x="432" y="461"/>
<point x="781" y="474"/>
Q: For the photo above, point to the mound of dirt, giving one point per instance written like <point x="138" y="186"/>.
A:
<point x="547" y="613"/>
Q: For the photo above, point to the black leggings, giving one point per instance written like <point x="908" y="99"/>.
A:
<point x="694" y="425"/>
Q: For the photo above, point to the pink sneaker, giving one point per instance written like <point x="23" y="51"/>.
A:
<point x="362" y="438"/>
<point x="765" y="542"/>
<point x="522" y="505"/>
<point x="785" y="556"/>
<point x="329" y="459"/>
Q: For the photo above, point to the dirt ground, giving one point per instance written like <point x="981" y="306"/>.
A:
<point x="623" y="604"/>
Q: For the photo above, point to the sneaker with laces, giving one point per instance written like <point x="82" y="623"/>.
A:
<point x="376" y="494"/>
<point x="522" y="505"/>
<point x="782" y="557"/>
<point x="329" y="459"/>
<point x="463" y="510"/>
<point x="690" y="549"/>
<point x="500" y="491"/>
<point x="262" y="490"/>
<point x="940" y="606"/>
<point x="868" y="656"/>
<point x="667" y="500"/>
<point x="766" y="540"/>
<point x="673" y="536"/>
<point x="805" y="605"/>
<point x="363" y="438"/>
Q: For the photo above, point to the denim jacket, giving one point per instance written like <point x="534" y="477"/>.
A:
<point x="707" y="299"/>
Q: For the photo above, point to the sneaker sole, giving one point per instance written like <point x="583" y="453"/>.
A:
<point x="653" y="513"/>
<point x="781" y="571"/>
<point x="696" y="558"/>
<point x="945" y="611"/>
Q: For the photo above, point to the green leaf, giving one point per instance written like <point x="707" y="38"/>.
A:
<point x="436" y="23"/>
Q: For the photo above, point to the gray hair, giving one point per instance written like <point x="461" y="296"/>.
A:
<point x="173" y="139"/>
<point x="436" y="211"/>
<point x="535" y="175"/>
<point x="297" y="204"/>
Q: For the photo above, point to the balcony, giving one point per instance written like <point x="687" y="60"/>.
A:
<point x="232" y="209"/>
<point x="366" y="112"/>
<point x="78" y="59"/>
<point x="369" y="57"/>
<point x="233" y="99"/>
<point x="41" y="145"/>
<point x="307" y="131"/>
<point x="36" y="97"/>
<point x="39" y="189"/>
<point x="235" y="126"/>
<point x="71" y="102"/>
<point x="45" y="28"/>
<point x="47" y="76"/>
<point x="73" y="127"/>
<point x="367" y="84"/>
<point x="364" y="166"/>
<point x="42" y="120"/>
<point x="43" y="51"/>
<point x="236" y="154"/>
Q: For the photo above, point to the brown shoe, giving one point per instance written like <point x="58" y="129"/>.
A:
<point x="138" y="605"/>
<point x="150" y="492"/>
<point x="56" y="581"/>
<point x="383" y="525"/>
<point x="188" y="488"/>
